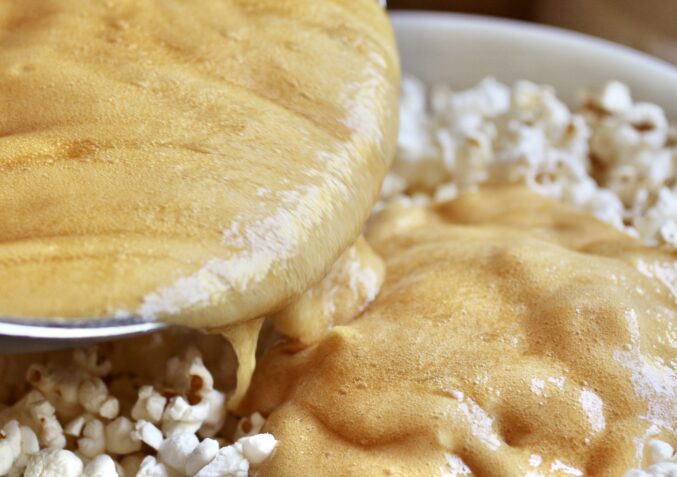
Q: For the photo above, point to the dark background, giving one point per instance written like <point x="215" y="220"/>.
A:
<point x="519" y="9"/>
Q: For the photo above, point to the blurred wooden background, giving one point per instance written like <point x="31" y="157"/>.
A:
<point x="648" y="25"/>
<point x="520" y="9"/>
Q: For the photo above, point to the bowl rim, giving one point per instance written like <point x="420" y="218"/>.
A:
<point x="401" y="18"/>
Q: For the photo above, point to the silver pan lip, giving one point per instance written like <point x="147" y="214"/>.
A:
<point x="67" y="329"/>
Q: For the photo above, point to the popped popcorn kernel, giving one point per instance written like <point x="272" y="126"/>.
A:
<point x="54" y="463"/>
<point x="101" y="466"/>
<point x="613" y="157"/>
<point x="662" y="461"/>
<point x="120" y="423"/>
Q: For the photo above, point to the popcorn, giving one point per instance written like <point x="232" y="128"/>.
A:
<point x="149" y="406"/>
<point x="248" y="426"/>
<point x="101" y="466"/>
<point x="175" y="450"/>
<point x="613" y="159"/>
<point x="202" y="455"/>
<point x="29" y="446"/>
<point x="92" y="393"/>
<point x="614" y="97"/>
<point x="54" y="463"/>
<point x="74" y="427"/>
<point x="659" y="451"/>
<point x="110" y="408"/>
<point x="120" y="438"/>
<point x="216" y="400"/>
<point x="189" y="375"/>
<point x="662" y="460"/>
<point x="93" y="441"/>
<point x="59" y="385"/>
<point x="258" y="448"/>
<point x="229" y="462"/>
<point x="109" y="428"/>
<point x="6" y="455"/>
<point x="41" y="418"/>
<point x="91" y="361"/>
<point x="10" y="438"/>
<point x="180" y="417"/>
<point x="150" y="467"/>
<point x="149" y="434"/>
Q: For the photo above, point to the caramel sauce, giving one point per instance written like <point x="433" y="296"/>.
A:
<point x="200" y="162"/>
<point x="510" y="334"/>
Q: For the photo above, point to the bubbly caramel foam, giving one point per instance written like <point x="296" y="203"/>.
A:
<point x="202" y="162"/>
<point x="511" y="335"/>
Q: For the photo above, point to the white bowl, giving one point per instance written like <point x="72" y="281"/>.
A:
<point x="460" y="50"/>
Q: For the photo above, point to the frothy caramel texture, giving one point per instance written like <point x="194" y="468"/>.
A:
<point x="352" y="283"/>
<point x="201" y="162"/>
<point x="511" y="335"/>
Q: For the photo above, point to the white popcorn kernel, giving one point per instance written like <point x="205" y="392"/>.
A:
<point x="101" y="466"/>
<point x="29" y="441"/>
<point x="202" y="455"/>
<point x="258" y="448"/>
<point x="92" y="393"/>
<point x="218" y="412"/>
<point x="147" y="432"/>
<point x="175" y="450"/>
<point x="90" y="361"/>
<point x="659" y="451"/>
<point x="248" y="426"/>
<point x="149" y="406"/>
<point x="189" y="376"/>
<point x="662" y="459"/>
<point x="182" y="418"/>
<point x="11" y="435"/>
<point x="150" y="467"/>
<point x="614" y="97"/>
<point x="446" y="192"/>
<point x="6" y="457"/>
<point x="42" y="413"/>
<point x="489" y="98"/>
<point x="119" y="437"/>
<point x="54" y="463"/>
<point x="229" y="462"/>
<point x="74" y="427"/>
<point x="663" y="469"/>
<point x="59" y="385"/>
<point x="110" y="408"/>
<point x="650" y="122"/>
<point x="29" y="446"/>
<point x="93" y="441"/>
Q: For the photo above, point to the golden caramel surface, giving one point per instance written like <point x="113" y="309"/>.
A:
<point x="200" y="161"/>
<point x="351" y="284"/>
<point x="510" y="336"/>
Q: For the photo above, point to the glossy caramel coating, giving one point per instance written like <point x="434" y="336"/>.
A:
<point x="201" y="162"/>
<point x="507" y="327"/>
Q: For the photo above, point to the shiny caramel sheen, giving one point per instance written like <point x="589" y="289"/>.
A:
<point x="201" y="162"/>
<point x="508" y="329"/>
